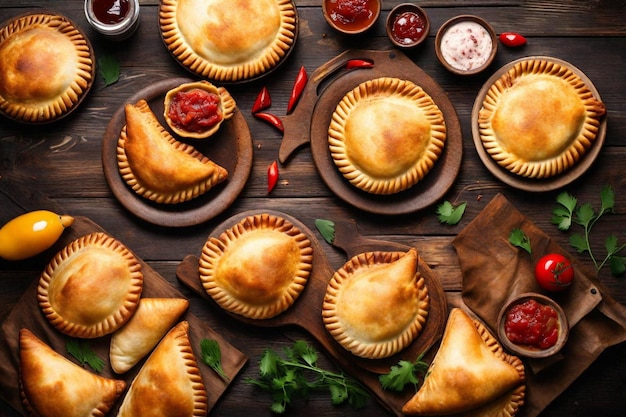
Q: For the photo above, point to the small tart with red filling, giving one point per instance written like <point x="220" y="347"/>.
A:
<point x="258" y="267"/>
<point x="197" y="110"/>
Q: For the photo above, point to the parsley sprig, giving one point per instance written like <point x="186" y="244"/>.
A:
<point x="81" y="350"/>
<point x="520" y="239"/>
<point x="404" y="373"/>
<point x="212" y="357"/>
<point x="568" y="212"/>
<point x="296" y="375"/>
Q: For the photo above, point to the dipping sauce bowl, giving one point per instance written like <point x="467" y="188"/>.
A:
<point x="351" y="17"/>
<point x="114" y="19"/>
<point x="407" y="25"/>
<point x="466" y="44"/>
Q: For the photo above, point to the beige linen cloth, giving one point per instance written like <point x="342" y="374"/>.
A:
<point x="494" y="271"/>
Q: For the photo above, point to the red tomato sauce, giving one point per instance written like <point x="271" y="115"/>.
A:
<point x="408" y="27"/>
<point x="110" y="12"/>
<point x="350" y="15"/>
<point x="532" y="324"/>
<point x="195" y="110"/>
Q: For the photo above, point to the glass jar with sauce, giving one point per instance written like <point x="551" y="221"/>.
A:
<point x="115" y="19"/>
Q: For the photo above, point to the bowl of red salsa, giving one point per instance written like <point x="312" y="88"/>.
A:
<point x="351" y="16"/>
<point x="407" y="25"/>
<point x="533" y="325"/>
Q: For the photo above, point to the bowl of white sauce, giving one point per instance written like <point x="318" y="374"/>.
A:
<point x="466" y="44"/>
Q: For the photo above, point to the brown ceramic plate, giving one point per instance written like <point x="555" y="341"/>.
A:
<point x="27" y="314"/>
<point x="536" y="184"/>
<point x="434" y="185"/>
<point x="230" y="147"/>
<point x="306" y="312"/>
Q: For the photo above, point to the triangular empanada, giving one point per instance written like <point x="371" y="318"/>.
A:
<point x="152" y="319"/>
<point x="157" y="166"/>
<point x="169" y="383"/>
<point x="470" y="370"/>
<point x="53" y="386"/>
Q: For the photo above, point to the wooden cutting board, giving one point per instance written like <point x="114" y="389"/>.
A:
<point x="27" y="314"/>
<point x="307" y="310"/>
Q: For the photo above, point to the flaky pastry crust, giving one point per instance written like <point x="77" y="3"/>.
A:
<point x="377" y="303"/>
<point x="91" y="287"/>
<point x="386" y="135"/>
<point x="257" y="268"/>
<point x="539" y="119"/>
<point x="46" y="67"/>
<point x="228" y="40"/>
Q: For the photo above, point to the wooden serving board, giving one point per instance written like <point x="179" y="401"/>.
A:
<point x="27" y="314"/>
<point x="307" y="310"/>
<point x="230" y="147"/>
<point x="325" y="89"/>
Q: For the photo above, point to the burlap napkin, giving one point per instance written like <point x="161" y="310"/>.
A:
<point x="494" y="271"/>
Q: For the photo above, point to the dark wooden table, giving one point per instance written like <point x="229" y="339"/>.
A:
<point x="58" y="167"/>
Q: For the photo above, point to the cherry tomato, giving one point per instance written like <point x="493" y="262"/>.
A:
<point x="554" y="272"/>
<point x="512" y="39"/>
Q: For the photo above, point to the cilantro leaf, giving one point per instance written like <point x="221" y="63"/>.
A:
<point x="518" y="238"/>
<point x="402" y="374"/>
<point x="212" y="356"/>
<point x="109" y="69"/>
<point x="326" y="229"/>
<point x="296" y="374"/>
<point x="81" y="350"/>
<point x="564" y="212"/>
<point x="447" y="213"/>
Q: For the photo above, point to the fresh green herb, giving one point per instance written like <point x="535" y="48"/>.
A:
<point x="81" y="350"/>
<point x="326" y="229"/>
<point x="404" y="373"/>
<point x="296" y="375"/>
<point x="518" y="238"/>
<point x="109" y="69"/>
<point x="569" y="212"/>
<point x="212" y="356"/>
<point x="447" y="213"/>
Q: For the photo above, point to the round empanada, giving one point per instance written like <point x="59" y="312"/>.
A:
<point x="539" y="118"/>
<point x="385" y="135"/>
<point x="377" y="303"/>
<point x="257" y="268"/>
<point x="91" y="287"/>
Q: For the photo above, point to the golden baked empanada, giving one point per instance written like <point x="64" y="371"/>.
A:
<point x="54" y="386"/>
<point x="539" y="118"/>
<point x="169" y="383"/>
<point x="470" y="371"/>
<point x="91" y="287"/>
<point x="157" y="166"/>
<point x="385" y="135"/>
<point x="153" y="318"/>
<point x="377" y="303"/>
<point x="197" y="109"/>
<point x="257" y="268"/>
<point x="228" y="40"/>
<point x="46" y="67"/>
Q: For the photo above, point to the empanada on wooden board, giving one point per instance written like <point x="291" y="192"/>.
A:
<point x="56" y="387"/>
<point x="467" y="372"/>
<point x="26" y="314"/>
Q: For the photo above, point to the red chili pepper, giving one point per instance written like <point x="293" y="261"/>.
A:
<point x="272" y="176"/>
<point x="512" y="39"/>
<point x="263" y="101"/>
<point x="298" y="87"/>
<point x="359" y="63"/>
<point x="271" y="119"/>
